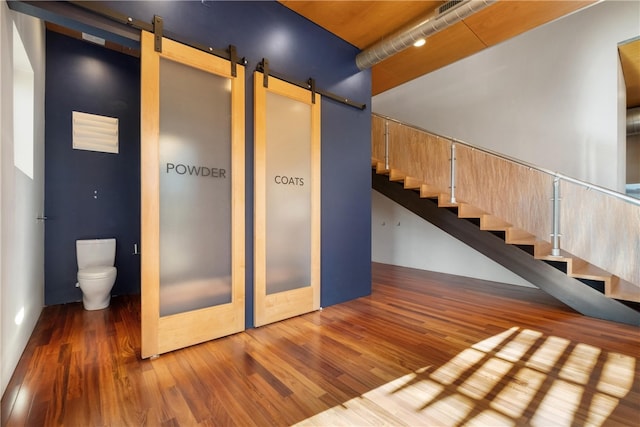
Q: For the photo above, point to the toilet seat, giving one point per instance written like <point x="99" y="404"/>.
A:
<point x="96" y="272"/>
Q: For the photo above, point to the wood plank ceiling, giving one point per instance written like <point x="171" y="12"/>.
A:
<point x="630" y="60"/>
<point x="363" y="23"/>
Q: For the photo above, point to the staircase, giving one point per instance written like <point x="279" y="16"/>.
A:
<point x="584" y="287"/>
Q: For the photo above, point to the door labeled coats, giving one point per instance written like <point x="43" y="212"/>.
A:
<point x="287" y="200"/>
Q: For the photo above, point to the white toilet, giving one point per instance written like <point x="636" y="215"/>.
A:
<point x="96" y="273"/>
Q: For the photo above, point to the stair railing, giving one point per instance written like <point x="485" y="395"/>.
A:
<point x="599" y="225"/>
<point x="452" y="187"/>
<point x="555" y="236"/>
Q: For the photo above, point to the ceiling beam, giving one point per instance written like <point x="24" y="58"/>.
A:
<point x="68" y="15"/>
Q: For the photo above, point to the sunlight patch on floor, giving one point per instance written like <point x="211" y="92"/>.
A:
<point x="616" y="378"/>
<point x="516" y="377"/>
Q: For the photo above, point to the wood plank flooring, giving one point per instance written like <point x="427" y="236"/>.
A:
<point x="424" y="349"/>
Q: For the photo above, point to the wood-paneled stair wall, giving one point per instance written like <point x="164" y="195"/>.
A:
<point x="600" y="243"/>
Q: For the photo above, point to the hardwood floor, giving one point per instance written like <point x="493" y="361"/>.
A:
<point x="424" y="349"/>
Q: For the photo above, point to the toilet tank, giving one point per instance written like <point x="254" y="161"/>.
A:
<point x="95" y="253"/>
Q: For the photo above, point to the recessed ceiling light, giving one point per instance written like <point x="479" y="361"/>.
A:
<point x="419" y="42"/>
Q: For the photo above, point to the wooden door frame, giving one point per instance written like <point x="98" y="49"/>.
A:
<point x="162" y="334"/>
<point x="306" y="299"/>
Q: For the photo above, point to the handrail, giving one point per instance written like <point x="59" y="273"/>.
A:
<point x="590" y="186"/>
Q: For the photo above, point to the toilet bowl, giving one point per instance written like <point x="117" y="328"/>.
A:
<point x="96" y="272"/>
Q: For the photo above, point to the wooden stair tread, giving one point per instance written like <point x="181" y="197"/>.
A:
<point x="379" y="166"/>
<point x="635" y="297"/>
<point x="518" y="236"/>
<point x="396" y="175"/>
<point x="411" y="183"/>
<point x="623" y="290"/>
<point x="465" y="210"/>
<point x="545" y="254"/>
<point x="589" y="271"/>
<point x="427" y="191"/>
<point x="530" y="241"/>
<point x="444" y="201"/>
<point x="583" y="270"/>
<point x="380" y="170"/>
<point x="543" y="249"/>
<point x="576" y="267"/>
<point x="493" y="223"/>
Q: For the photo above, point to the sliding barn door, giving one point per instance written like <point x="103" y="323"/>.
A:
<point x="287" y="200"/>
<point x="192" y="196"/>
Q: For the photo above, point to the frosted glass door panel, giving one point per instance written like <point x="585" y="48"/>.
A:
<point x="195" y="188"/>
<point x="288" y="194"/>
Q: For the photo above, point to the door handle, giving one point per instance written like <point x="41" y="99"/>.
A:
<point x="41" y="218"/>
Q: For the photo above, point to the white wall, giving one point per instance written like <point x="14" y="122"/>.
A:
<point x="22" y="196"/>
<point x="548" y="97"/>
<point x="400" y="237"/>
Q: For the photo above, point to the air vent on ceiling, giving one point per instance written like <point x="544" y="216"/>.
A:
<point x="448" y="5"/>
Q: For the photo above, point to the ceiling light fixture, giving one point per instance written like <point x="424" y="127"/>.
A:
<point x="427" y="26"/>
<point x="419" y="42"/>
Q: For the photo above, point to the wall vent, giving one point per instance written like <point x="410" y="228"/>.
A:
<point x="95" y="133"/>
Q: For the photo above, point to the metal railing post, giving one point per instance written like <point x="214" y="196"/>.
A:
<point x="453" y="172"/>
<point x="555" y="251"/>
<point x="386" y="145"/>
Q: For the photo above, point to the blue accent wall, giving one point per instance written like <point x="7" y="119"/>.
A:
<point x="88" y="78"/>
<point x="298" y="49"/>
